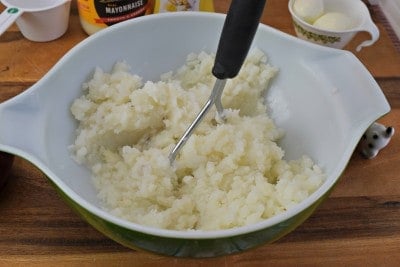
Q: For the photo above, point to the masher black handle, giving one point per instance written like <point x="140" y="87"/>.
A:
<point x="238" y="32"/>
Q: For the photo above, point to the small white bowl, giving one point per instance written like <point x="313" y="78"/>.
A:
<point x="356" y="10"/>
<point x="38" y="21"/>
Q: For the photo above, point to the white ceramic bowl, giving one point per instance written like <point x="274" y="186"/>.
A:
<point x="38" y="21"/>
<point x="323" y="98"/>
<point x="356" y="10"/>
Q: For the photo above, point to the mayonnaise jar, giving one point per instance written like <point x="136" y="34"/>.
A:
<point x="98" y="14"/>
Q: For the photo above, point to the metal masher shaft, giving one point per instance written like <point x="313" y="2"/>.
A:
<point x="215" y="98"/>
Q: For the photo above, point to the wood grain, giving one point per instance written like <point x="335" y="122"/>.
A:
<point x="29" y="61"/>
<point x="359" y="225"/>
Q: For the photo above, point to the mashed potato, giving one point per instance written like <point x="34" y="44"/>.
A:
<point x="227" y="175"/>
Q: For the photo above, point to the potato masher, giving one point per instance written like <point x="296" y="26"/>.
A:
<point x="238" y="32"/>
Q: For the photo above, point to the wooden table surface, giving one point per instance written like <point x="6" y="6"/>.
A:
<point x="359" y="225"/>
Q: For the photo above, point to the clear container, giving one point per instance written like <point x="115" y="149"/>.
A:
<point x="99" y="14"/>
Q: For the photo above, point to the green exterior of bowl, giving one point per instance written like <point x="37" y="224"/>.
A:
<point x="193" y="248"/>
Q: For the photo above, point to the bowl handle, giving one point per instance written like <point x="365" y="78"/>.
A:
<point x="22" y="132"/>
<point x="8" y="17"/>
<point x="370" y="27"/>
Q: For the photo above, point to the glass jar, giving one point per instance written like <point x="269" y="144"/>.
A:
<point x="98" y="14"/>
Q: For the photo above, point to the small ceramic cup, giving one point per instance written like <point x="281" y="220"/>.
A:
<point x="38" y="20"/>
<point x="356" y="10"/>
